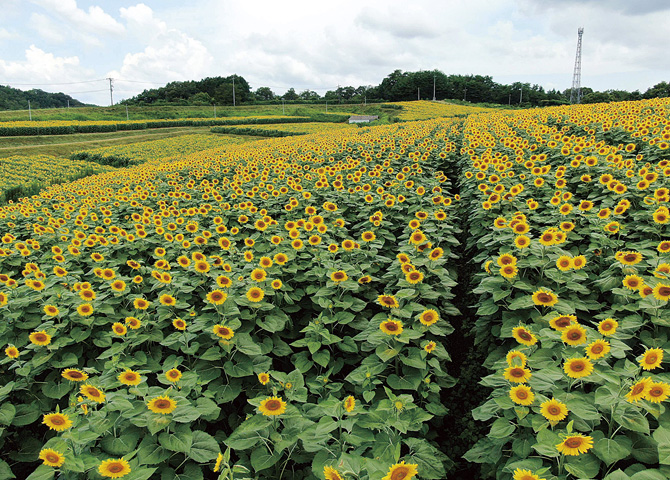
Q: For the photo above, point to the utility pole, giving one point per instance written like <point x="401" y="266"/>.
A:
<point x="214" y="111"/>
<point x="433" y="88"/>
<point x="418" y="93"/>
<point x="233" y="90"/>
<point x="127" y="118"/>
<point x="576" y="90"/>
<point x="521" y="94"/>
<point x="111" y="87"/>
<point x="465" y="93"/>
<point x="30" y="113"/>
<point x="68" y="103"/>
<point x="326" y="106"/>
<point x="509" y="100"/>
<point x="283" y="111"/>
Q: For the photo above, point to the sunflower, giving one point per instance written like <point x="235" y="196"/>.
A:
<point x="272" y="406"/>
<point x="521" y="242"/>
<point x="118" y="285"/>
<point x="520" y="474"/>
<point x="564" y="263"/>
<point x="578" y="262"/>
<point x="50" y="310"/>
<point x="506" y="259"/>
<point x="547" y="238"/>
<point x="52" y="458"/>
<point x="391" y="327"/>
<point x="429" y="317"/>
<point x="129" y="377"/>
<point x="664" y="246"/>
<point x="85" y="309"/>
<point x="224" y="332"/>
<point x="524" y="336"/>
<point x="339" y="276"/>
<point x="92" y="393"/>
<point x="12" y="352"/>
<point x="173" y="375"/>
<point x="349" y="403"/>
<point x="597" y="349"/>
<point x="40" y="338"/>
<point x="119" y="329"/>
<point x="578" y="367"/>
<point x="517" y="374"/>
<point x="632" y="282"/>
<point x="114" y="468"/>
<point x="74" y="375"/>
<point x="574" y="335"/>
<point x="223" y="281"/>
<point x="280" y="258"/>
<point x="162" y="405"/>
<point x="258" y="274"/>
<point x="436" y="253"/>
<point x="331" y="474"/>
<point x="133" y="323"/>
<point x="179" y="324"/>
<point x="651" y="358"/>
<point x="661" y="292"/>
<point x="639" y="390"/>
<point x="575" y="444"/>
<point x="553" y="410"/>
<point x="414" y="277"/>
<point x="658" y="392"/>
<point x="608" y="327"/>
<point x="545" y="298"/>
<point x="264" y="378"/>
<point x="141" y="304"/>
<point x="388" y="301"/>
<point x="628" y="258"/>
<point x="217" y="297"/>
<point x="561" y="322"/>
<point x="57" y="421"/>
<point x="255" y="294"/>
<point x="402" y="471"/>
<point x="522" y="395"/>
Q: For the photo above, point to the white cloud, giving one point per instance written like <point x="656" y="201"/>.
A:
<point x="94" y="21"/>
<point x="42" y="67"/>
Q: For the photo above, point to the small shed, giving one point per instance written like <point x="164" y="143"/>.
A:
<point x="363" y="118"/>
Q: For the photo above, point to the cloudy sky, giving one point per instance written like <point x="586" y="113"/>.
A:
<point x="73" y="45"/>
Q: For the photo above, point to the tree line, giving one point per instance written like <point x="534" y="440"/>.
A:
<point x="15" y="99"/>
<point x="397" y="86"/>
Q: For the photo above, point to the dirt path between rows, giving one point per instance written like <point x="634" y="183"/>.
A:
<point x="151" y="136"/>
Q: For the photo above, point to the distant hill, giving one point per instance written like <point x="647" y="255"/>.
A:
<point x="15" y="99"/>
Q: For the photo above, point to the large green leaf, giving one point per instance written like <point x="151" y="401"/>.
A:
<point x="203" y="447"/>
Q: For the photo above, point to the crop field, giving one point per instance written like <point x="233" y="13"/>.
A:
<point x="481" y="294"/>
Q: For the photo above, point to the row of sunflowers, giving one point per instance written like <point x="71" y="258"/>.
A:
<point x="279" y="310"/>
<point x="569" y="224"/>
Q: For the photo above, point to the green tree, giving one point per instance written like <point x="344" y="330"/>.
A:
<point x="264" y="93"/>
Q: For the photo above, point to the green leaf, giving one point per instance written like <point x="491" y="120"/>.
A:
<point x="176" y="442"/>
<point x="5" y="471"/>
<point x="274" y="322"/>
<point x="501" y="428"/>
<point x="140" y="473"/>
<point x="120" y="446"/>
<point x="248" y="433"/>
<point x="583" y="466"/>
<point x="632" y="420"/>
<point x="151" y="453"/>
<point x="203" y="447"/>
<point x="612" y="450"/>
<point x="662" y="436"/>
<point x="524" y="301"/>
<point x="430" y="460"/>
<point x="7" y="412"/>
<point x="246" y="345"/>
<point x="649" y="474"/>
<point x="26" y="414"/>
<point x="546" y="443"/>
<point x="56" y="390"/>
<point x="617" y="475"/>
<point x="261" y="459"/>
<point x="43" y="472"/>
<point x="583" y="409"/>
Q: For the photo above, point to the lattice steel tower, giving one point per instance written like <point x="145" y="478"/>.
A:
<point x="576" y="91"/>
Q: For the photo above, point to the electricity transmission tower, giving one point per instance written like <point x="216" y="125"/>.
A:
<point x="576" y="91"/>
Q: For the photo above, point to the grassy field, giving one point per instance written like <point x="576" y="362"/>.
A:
<point x="118" y="112"/>
<point x="64" y="145"/>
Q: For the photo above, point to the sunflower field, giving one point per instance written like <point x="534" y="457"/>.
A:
<point x="310" y="307"/>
